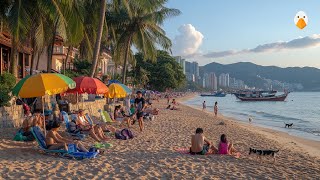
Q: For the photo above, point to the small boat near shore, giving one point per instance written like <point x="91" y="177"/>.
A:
<point x="218" y="94"/>
<point x="260" y="96"/>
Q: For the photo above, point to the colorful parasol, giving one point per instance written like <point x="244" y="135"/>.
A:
<point x="117" y="90"/>
<point x="88" y="85"/>
<point x="43" y="84"/>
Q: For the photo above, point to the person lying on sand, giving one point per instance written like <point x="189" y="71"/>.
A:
<point x="200" y="145"/>
<point x="225" y="147"/>
<point x="55" y="141"/>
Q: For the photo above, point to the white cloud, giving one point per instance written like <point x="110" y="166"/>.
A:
<point x="299" y="43"/>
<point x="187" y="42"/>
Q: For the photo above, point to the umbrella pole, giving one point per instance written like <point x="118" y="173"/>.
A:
<point x="44" y="122"/>
<point x="77" y="101"/>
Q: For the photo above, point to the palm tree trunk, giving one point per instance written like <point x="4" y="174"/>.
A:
<point x="50" y="48"/>
<point x="66" y="60"/>
<point x="124" y="70"/>
<point x="13" y="59"/>
<point x="96" y="52"/>
<point x="33" y="56"/>
<point x="38" y="60"/>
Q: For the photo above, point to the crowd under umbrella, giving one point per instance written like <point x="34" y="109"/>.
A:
<point x="88" y="85"/>
<point x="39" y="85"/>
<point x="118" y="90"/>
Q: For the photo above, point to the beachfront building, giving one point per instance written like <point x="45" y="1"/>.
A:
<point x="182" y="63"/>
<point x="192" y="71"/>
<point x="59" y="56"/>
<point x="190" y="77"/>
<point x="23" y="55"/>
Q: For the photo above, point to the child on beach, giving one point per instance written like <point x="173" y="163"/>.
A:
<point x="200" y="145"/>
<point x="225" y="147"/>
<point x="215" y="109"/>
<point x="204" y="106"/>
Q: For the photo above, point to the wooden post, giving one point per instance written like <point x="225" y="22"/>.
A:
<point x="23" y="65"/>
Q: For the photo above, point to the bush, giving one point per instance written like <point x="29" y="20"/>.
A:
<point x="7" y="82"/>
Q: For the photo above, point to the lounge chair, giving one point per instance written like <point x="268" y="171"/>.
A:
<point x="105" y="117"/>
<point x="66" y="120"/>
<point x="89" y="119"/>
<point x="63" y="153"/>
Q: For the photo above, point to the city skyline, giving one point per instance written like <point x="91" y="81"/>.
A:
<point x="263" y="33"/>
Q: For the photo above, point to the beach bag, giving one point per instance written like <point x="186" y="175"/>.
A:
<point x="19" y="136"/>
<point x="127" y="133"/>
<point x="118" y="135"/>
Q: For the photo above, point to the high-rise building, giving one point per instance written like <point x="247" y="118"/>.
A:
<point x="224" y="80"/>
<point x="182" y="63"/>
<point x="188" y="67"/>
<point x="195" y="69"/>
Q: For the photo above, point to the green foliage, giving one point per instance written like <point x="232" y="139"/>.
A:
<point x="7" y="82"/>
<point x="163" y="74"/>
<point x="82" y="68"/>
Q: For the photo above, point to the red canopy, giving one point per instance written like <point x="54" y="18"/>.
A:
<point x="88" y="85"/>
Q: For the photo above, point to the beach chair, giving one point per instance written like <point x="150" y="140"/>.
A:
<point x="42" y="143"/>
<point x="89" y="119"/>
<point x="63" y="153"/>
<point x="67" y="122"/>
<point x="105" y="117"/>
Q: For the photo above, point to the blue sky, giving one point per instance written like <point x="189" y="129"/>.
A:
<point x="238" y="25"/>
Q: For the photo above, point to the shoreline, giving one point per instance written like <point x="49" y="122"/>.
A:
<point x="311" y="147"/>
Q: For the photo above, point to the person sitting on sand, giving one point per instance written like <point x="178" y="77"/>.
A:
<point x="118" y="116"/>
<point x="200" y="145"/>
<point x="55" y="141"/>
<point x="225" y="147"/>
<point x="150" y="110"/>
<point x="83" y="122"/>
<point x="95" y="131"/>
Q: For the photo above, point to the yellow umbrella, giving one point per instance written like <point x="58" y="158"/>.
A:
<point x="117" y="90"/>
<point x="43" y="84"/>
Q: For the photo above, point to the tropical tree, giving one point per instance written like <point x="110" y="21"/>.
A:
<point x="162" y="74"/>
<point x="141" y="30"/>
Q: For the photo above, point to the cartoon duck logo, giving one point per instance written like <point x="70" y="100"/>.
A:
<point x="301" y="20"/>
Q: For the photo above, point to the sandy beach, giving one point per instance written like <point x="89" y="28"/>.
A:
<point x="152" y="155"/>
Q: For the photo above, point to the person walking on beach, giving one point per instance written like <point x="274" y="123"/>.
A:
<point x="140" y="105"/>
<point x="215" y="109"/>
<point x="204" y="106"/>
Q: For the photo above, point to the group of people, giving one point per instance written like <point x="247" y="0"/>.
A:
<point x="83" y="123"/>
<point x="201" y="145"/>
<point x="215" y="108"/>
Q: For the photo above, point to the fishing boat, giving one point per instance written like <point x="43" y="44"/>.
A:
<point x="260" y="96"/>
<point x="217" y="94"/>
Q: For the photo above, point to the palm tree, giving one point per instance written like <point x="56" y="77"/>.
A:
<point x="103" y="7"/>
<point x="142" y="30"/>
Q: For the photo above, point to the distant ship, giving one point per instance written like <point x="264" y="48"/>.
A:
<point x="260" y="96"/>
<point x="217" y="94"/>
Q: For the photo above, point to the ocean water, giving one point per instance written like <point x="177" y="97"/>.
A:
<point x="300" y="108"/>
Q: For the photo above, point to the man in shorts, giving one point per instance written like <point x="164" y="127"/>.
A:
<point x="140" y="105"/>
<point x="200" y="145"/>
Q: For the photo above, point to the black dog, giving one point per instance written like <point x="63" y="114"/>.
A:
<point x="261" y="153"/>
<point x="288" y="125"/>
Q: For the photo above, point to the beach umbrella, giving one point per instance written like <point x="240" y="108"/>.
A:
<point x="43" y="84"/>
<point x="39" y="85"/>
<point x="88" y="85"/>
<point x="117" y="90"/>
<point x="113" y="81"/>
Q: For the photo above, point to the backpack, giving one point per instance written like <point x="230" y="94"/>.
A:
<point x="118" y="135"/>
<point x="127" y="133"/>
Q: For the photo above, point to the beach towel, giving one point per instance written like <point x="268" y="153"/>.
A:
<point x="187" y="151"/>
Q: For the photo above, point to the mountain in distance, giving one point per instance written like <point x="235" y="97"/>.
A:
<point x="307" y="78"/>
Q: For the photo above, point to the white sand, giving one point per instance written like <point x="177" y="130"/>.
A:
<point x="151" y="154"/>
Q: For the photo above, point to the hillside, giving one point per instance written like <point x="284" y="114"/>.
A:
<point x="308" y="77"/>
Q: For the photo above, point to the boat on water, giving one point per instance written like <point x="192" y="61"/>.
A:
<point x="260" y="96"/>
<point x="217" y="94"/>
